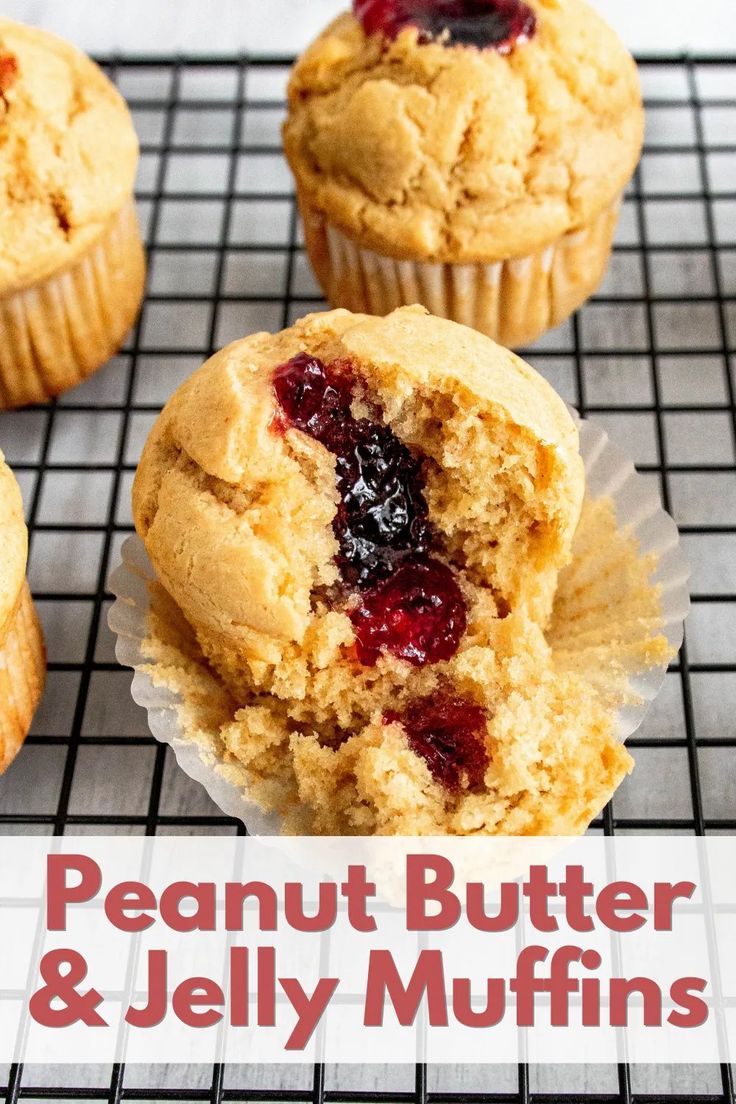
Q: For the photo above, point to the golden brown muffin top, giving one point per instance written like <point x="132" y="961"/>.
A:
<point x="13" y="546"/>
<point x="214" y="474"/>
<point x="455" y="154"/>
<point x="68" y="154"/>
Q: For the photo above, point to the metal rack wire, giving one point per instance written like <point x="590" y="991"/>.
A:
<point x="653" y="355"/>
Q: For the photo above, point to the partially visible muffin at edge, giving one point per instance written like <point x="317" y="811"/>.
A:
<point x="71" y="259"/>
<point x="22" y="655"/>
<point x="240" y="513"/>
<point x="485" y="185"/>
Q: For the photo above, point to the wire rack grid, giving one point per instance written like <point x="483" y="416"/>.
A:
<point x="652" y="355"/>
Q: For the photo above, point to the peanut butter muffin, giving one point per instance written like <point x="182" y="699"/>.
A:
<point x="71" y="259"/>
<point x="362" y="522"/>
<point x="22" y="656"/>
<point x="469" y="155"/>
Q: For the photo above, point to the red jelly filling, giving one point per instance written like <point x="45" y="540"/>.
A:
<point x="486" y="24"/>
<point x="382" y="515"/>
<point x="313" y="398"/>
<point x="417" y="615"/>
<point x="8" y="72"/>
<point x="411" y="604"/>
<point x="448" y="733"/>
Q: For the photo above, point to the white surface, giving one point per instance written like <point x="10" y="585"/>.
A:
<point x="285" y="26"/>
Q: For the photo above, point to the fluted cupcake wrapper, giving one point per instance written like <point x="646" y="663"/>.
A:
<point x="512" y="301"/>
<point x="22" y="677"/>
<point x="57" y="332"/>
<point x="610" y="476"/>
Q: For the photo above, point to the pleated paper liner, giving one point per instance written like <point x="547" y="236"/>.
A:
<point x="513" y="301"/>
<point x="56" y="333"/>
<point x="607" y="616"/>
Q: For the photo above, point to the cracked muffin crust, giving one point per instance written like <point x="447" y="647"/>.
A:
<point x="22" y="658"/>
<point x="434" y="156"/>
<point x="68" y="157"/>
<point x="280" y="453"/>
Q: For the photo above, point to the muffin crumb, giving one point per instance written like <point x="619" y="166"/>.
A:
<point x="237" y="510"/>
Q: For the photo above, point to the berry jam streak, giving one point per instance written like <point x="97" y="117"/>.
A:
<point x="500" y="25"/>
<point x="448" y="733"/>
<point x="8" y="72"/>
<point x="418" y="615"/>
<point x="411" y="604"/>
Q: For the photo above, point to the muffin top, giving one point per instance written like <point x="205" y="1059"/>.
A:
<point x="445" y="146"/>
<point x="458" y="441"/>
<point x="68" y="154"/>
<point x="13" y="546"/>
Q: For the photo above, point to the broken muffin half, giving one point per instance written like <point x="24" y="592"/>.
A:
<point x="363" y="521"/>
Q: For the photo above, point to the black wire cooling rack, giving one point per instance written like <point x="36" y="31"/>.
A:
<point x="652" y="355"/>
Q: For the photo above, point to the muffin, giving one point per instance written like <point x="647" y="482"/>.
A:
<point x="469" y="155"/>
<point x="71" y="260"/>
<point x="22" y="656"/>
<point x="361" y="522"/>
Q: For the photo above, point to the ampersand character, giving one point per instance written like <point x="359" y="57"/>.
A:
<point x="63" y="986"/>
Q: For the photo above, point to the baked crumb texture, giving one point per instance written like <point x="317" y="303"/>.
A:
<point x="71" y="258"/>
<point x="249" y="625"/>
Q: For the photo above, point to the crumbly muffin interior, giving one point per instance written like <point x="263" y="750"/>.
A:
<point x="503" y="514"/>
<point x="237" y="510"/>
<point x="555" y="759"/>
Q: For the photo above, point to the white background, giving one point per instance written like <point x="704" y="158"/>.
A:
<point x="284" y="26"/>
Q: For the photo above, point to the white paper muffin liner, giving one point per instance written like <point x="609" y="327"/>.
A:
<point x="513" y="301"/>
<point x="609" y="474"/>
<point x="56" y="333"/>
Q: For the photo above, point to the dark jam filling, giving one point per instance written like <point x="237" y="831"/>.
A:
<point x="411" y="604"/>
<point x="486" y="24"/>
<point x="418" y="615"/>
<point x="382" y="514"/>
<point x="448" y="733"/>
<point x="8" y="72"/>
